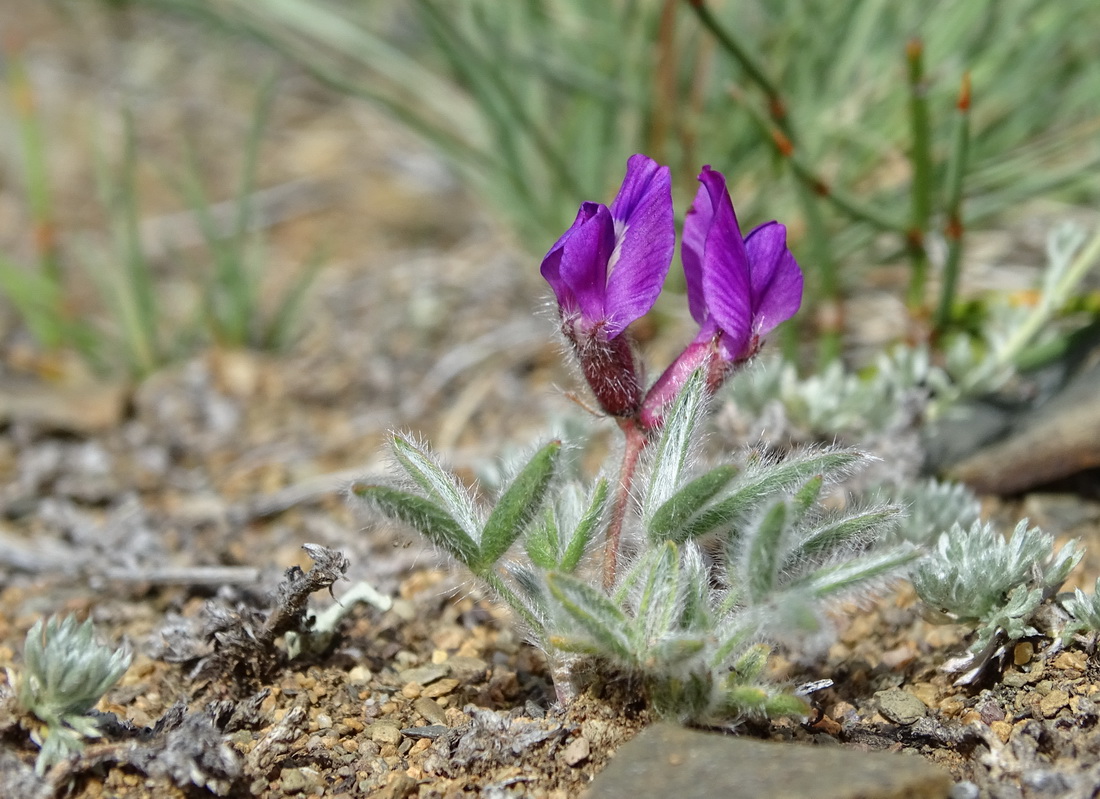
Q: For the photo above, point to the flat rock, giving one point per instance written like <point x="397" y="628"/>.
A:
<point x="668" y="760"/>
<point x="424" y="675"/>
<point x="80" y="409"/>
<point x="900" y="707"/>
<point x="1053" y="441"/>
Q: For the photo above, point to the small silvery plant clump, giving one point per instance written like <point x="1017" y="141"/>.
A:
<point x="907" y="384"/>
<point x="1084" y="614"/>
<point x="931" y="507"/>
<point x="701" y="565"/>
<point x="65" y="673"/>
<point x="977" y="577"/>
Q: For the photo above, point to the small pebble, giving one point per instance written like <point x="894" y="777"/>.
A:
<point x="576" y="752"/>
<point x="1023" y="653"/>
<point x="1075" y="660"/>
<point x="359" y="675"/>
<point x="1053" y="702"/>
<point x="385" y="732"/>
<point x="900" y="707"/>
<point x="467" y="668"/>
<point x="298" y="780"/>
<point x="1002" y="729"/>
<point x="424" y="675"/>
<point x="430" y="733"/>
<point x="440" y="687"/>
<point x="430" y="710"/>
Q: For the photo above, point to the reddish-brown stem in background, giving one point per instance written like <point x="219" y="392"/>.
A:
<point x="636" y="442"/>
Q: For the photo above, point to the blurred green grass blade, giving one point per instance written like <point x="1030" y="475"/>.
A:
<point x="36" y="297"/>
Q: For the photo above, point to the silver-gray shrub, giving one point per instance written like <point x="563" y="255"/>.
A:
<point x="976" y="576"/>
<point x="65" y="672"/>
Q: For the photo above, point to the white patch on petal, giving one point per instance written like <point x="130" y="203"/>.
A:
<point x="620" y="231"/>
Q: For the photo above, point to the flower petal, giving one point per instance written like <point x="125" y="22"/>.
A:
<point x="726" y="286"/>
<point x="583" y="266"/>
<point x="775" y="277"/>
<point x="551" y="265"/>
<point x="645" y="238"/>
<point x="696" y="226"/>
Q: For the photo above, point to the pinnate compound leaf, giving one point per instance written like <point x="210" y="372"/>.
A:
<point x="672" y="454"/>
<point x="422" y="515"/>
<point x="598" y="616"/>
<point x="669" y="521"/>
<point x="517" y="506"/>
<point x="751" y="489"/>
<point x="437" y="484"/>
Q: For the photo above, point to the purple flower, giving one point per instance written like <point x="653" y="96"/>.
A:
<point x="739" y="290"/>
<point x="607" y="271"/>
<point x="608" y="268"/>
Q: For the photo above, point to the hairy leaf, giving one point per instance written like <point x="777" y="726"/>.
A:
<point x="439" y="486"/>
<point x="541" y="542"/>
<point x="760" y="568"/>
<point x="423" y="515"/>
<point x="600" y="618"/>
<point x="585" y="529"/>
<point x="847" y="574"/>
<point x="659" y="600"/>
<point x="668" y="521"/>
<point x="517" y="506"/>
<point x="846" y="531"/>
<point x="678" y="439"/>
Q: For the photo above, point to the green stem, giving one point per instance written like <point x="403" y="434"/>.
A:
<point x="829" y="317"/>
<point x="954" y="228"/>
<point x="921" y="157"/>
<point x="636" y="442"/>
<point x="34" y="164"/>
<point x="786" y="150"/>
<point x="754" y="69"/>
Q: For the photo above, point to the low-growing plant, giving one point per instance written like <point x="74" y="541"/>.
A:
<point x="702" y="565"/>
<point x="930" y="508"/>
<point x="1084" y="613"/>
<point x="977" y="577"/>
<point x="65" y="673"/>
<point x="910" y="385"/>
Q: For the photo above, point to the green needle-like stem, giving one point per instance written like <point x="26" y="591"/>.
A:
<point x="777" y="109"/>
<point x="921" y="158"/>
<point x="954" y="227"/>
